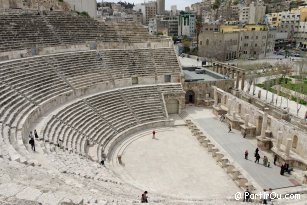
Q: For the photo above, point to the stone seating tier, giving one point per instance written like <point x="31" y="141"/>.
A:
<point x="26" y="30"/>
<point x="101" y="117"/>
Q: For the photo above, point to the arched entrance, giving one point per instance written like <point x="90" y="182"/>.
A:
<point x="190" y="97"/>
<point x="294" y="142"/>
<point x="172" y="106"/>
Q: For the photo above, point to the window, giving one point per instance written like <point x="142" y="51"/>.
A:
<point x="167" y="78"/>
<point x="246" y="37"/>
<point x="135" y="80"/>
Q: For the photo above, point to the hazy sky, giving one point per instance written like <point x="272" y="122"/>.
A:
<point x="180" y="3"/>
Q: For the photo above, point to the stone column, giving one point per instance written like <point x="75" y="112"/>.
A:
<point x="259" y="94"/>
<point x="278" y="89"/>
<point x="288" y="147"/>
<point x="239" y="108"/>
<point x="222" y="99"/>
<point x="264" y="124"/>
<point x="279" y="140"/>
<point x="233" y="74"/>
<point x="242" y="81"/>
<point x="246" y="120"/>
<point x="215" y="97"/>
<point x="234" y="114"/>
<point x="233" y="108"/>
<point x="238" y="79"/>
<point x="258" y="125"/>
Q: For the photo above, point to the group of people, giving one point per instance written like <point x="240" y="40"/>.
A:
<point x="266" y="161"/>
<point x="285" y="168"/>
<point x="144" y="197"/>
<point x="32" y="141"/>
<point x="266" y="196"/>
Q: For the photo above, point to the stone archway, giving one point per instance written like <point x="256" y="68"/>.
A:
<point x="190" y="97"/>
<point x="294" y="142"/>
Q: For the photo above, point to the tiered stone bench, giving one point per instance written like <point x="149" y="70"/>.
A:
<point x="99" y="118"/>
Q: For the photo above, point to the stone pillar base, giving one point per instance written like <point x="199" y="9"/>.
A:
<point x="250" y="130"/>
<point x="264" y="143"/>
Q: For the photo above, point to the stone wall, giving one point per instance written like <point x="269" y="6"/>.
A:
<point x="180" y="97"/>
<point x="274" y="125"/>
<point x="288" y="132"/>
<point x="34" y="4"/>
<point x="204" y="91"/>
<point x="80" y="47"/>
<point x="89" y="6"/>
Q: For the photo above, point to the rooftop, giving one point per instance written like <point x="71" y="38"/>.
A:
<point x="201" y="74"/>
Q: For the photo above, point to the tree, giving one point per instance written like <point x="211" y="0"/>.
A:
<point x="216" y="4"/>
<point x="284" y="69"/>
<point x="199" y="27"/>
<point x="186" y="43"/>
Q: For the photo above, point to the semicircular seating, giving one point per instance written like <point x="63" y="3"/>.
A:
<point x="78" y="99"/>
<point x="32" y="86"/>
<point x="101" y="117"/>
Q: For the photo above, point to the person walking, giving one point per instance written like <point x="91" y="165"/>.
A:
<point x="282" y="169"/>
<point x="256" y="151"/>
<point x="244" y="134"/>
<point x="246" y="197"/>
<point x="265" y="161"/>
<point x="35" y="134"/>
<point x="32" y="143"/>
<point x="153" y="134"/>
<point x="265" y="197"/>
<point x="229" y="127"/>
<point x="246" y="154"/>
<point x="144" y="198"/>
<point x="275" y="159"/>
<point x="30" y="135"/>
<point x="257" y="158"/>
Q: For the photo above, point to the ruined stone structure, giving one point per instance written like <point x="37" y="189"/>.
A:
<point x="34" y="4"/>
<point x="53" y="32"/>
<point x="201" y="93"/>
<point x="95" y="85"/>
<point x="283" y="138"/>
<point x="86" y="87"/>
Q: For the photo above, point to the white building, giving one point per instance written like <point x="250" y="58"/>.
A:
<point x="186" y="24"/>
<point x="174" y="10"/>
<point x="253" y="14"/>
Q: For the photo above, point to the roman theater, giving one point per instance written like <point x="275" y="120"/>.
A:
<point x="95" y="92"/>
